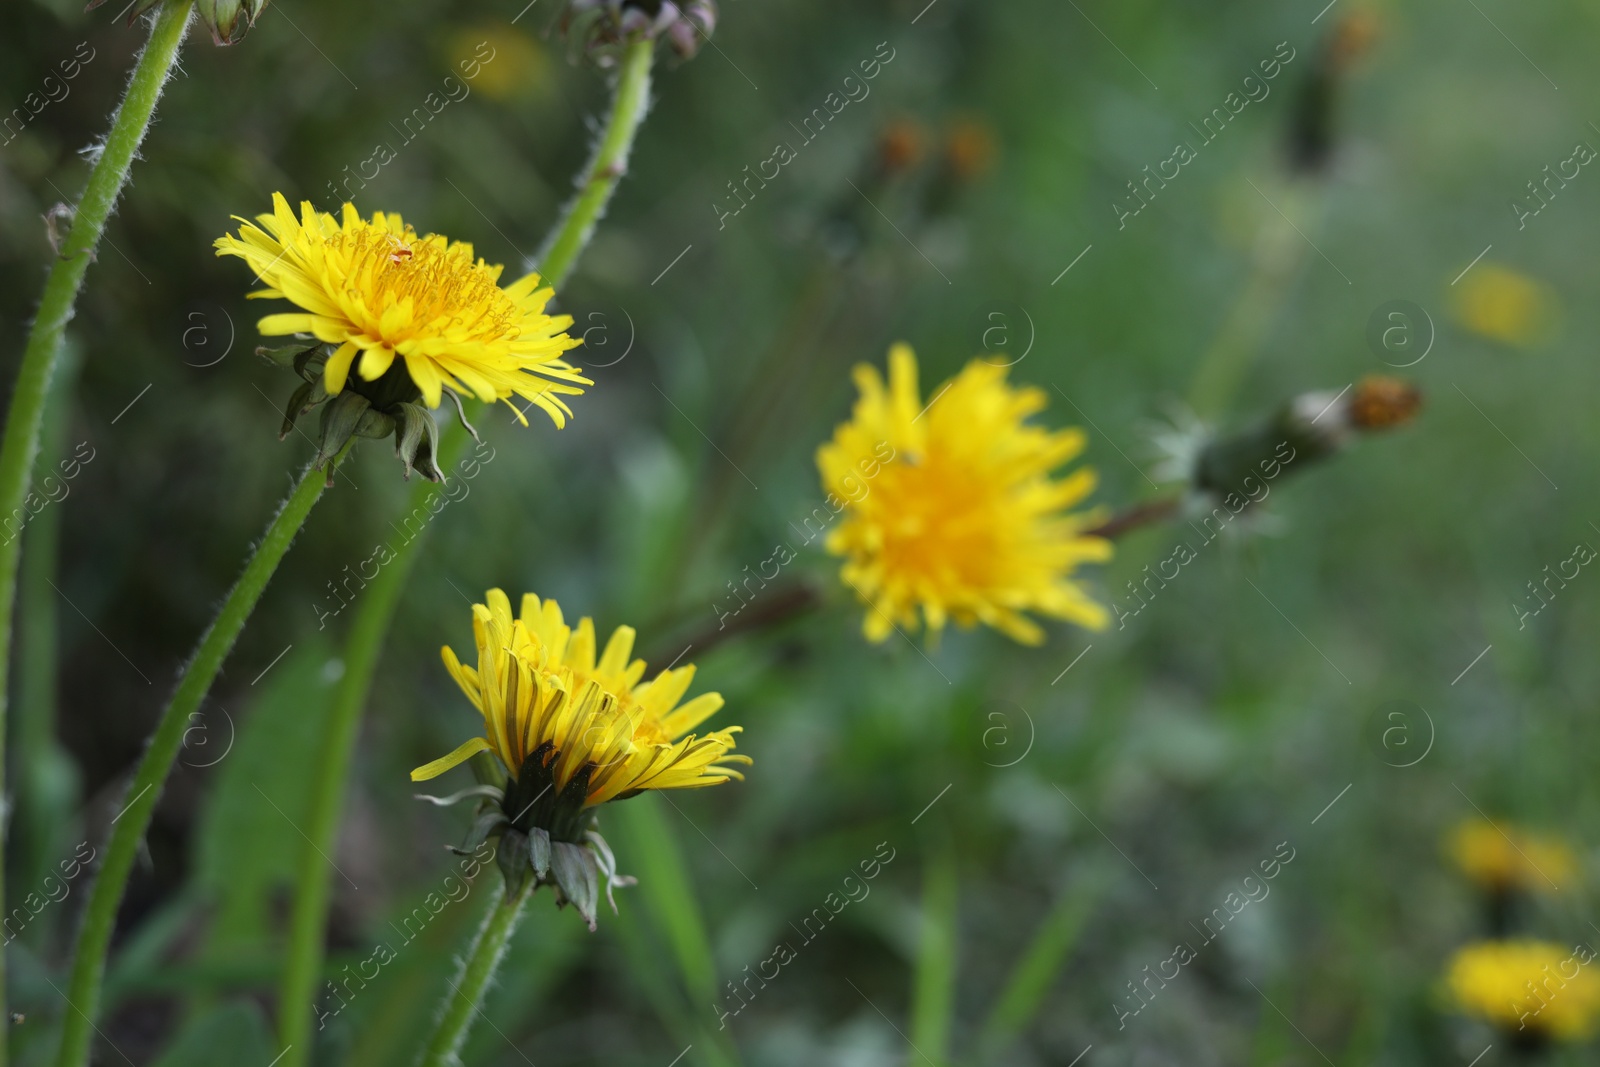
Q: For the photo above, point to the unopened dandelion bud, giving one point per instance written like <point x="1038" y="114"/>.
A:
<point x="1309" y="428"/>
<point x="228" y="20"/>
<point x="602" y="27"/>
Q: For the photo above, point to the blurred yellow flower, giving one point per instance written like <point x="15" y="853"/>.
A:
<point x="1537" y="988"/>
<point x="514" y="62"/>
<point x="1505" y="306"/>
<point x="590" y="727"/>
<point x="377" y="290"/>
<point x="963" y="520"/>
<point x="1499" y="856"/>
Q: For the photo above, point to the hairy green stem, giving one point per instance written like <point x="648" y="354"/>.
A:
<point x="309" y="918"/>
<point x="472" y="981"/>
<point x="100" y="914"/>
<point x="44" y="791"/>
<point x="23" y="420"/>
<point x="340" y="728"/>
<point x="568" y="240"/>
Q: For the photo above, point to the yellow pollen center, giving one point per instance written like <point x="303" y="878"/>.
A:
<point x="448" y="291"/>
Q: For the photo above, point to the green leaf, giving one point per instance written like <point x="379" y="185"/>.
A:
<point x="1041" y="961"/>
<point x="249" y="840"/>
<point x="651" y="852"/>
<point x="934" y="979"/>
<point x="648" y="848"/>
<point x="236" y="1032"/>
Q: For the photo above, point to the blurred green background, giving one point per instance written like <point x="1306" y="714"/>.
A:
<point x="1085" y="821"/>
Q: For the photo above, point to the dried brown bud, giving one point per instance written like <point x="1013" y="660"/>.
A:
<point x="900" y="146"/>
<point x="1381" y="402"/>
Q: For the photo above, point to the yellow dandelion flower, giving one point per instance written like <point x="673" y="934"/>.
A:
<point x="1505" y="306"/>
<point x="572" y="733"/>
<point x="953" y="508"/>
<point x="1501" y="857"/>
<point x="377" y="290"/>
<point x="539" y="687"/>
<point x="1533" y="989"/>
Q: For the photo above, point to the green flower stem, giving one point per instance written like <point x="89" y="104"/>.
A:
<point x="44" y="791"/>
<point x="100" y="914"/>
<point x="23" y="420"/>
<point x="472" y="981"/>
<point x="568" y="240"/>
<point x="309" y="918"/>
<point x="1276" y="257"/>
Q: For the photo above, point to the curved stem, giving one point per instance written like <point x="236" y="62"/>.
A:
<point x="1145" y="513"/>
<point x="472" y="981"/>
<point x="43" y="791"/>
<point x="568" y="240"/>
<point x="309" y="918"/>
<point x="21" y="443"/>
<point x="100" y="914"/>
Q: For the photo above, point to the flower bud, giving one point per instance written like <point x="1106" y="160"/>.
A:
<point x="1310" y="427"/>
<point x="602" y="27"/>
<point x="228" y="20"/>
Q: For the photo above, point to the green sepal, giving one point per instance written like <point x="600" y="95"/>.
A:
<point x="512" y="856"/>
<point x="539" y="854"/>
<point x="374" y="423"/>
<point x="339" y="421"/>
<point x="299" y="403"/>
<point x="479" y="791"/>
<point x="484" y="827"/>
<point x="289" y="355"/>
<point x="310" y="363"/>
<point x="577" y="875"/>
<point x="416" y="440"/>
<point x="608" y="867"/>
